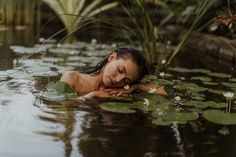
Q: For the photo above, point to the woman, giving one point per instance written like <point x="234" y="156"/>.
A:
<point x="122" y="68"/>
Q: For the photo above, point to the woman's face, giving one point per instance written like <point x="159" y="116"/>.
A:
<point x="119" y="72"/>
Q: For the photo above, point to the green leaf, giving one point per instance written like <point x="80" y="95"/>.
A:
<point x="58" y="91"/>
<point x="228" y="84"/>
<point x="173" y="117"/>
<point x="213" y="104"/>
<point x="116" y="107"/>
<point x="160" y="122"/>
<point x="197" y="104"/>
<point x="218" y="117"/>
<point x="60" y="87"/>
<point x="180" y="117"/>
<point x="210" y="83"/>
<point x="220" y="75"/>
<point x="232" y="80"/>
<point x="201" y="78"/>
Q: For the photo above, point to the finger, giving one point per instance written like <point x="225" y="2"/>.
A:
<point x="119" y="94"/>
<point x="114" y="92"/>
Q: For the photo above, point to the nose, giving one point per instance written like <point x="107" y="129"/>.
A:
<point x="120" y="77"/>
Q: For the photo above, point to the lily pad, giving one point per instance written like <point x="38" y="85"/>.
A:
<point x="210" y="83"/>
<point x="219" y="75"/>
<point x="231" y="85"/>
<point x="198" y="96"/>
<point x="164" y="82"/>
<point x="219" y="117"/>
<point x="180" y="69"/>
<point x="176" y="117"/>
<point x="201" y="78"/>
<point x="213" y="104"/>
<point x="117" y="107"/>
<point x="204" y="71"/>
<point x="180" y="116"/>
<point x="197" y="104"/>
<point x="185" y="70"/>
<point x="232" y="80"/>
<point x="190" y="86"/>
<point x="148" y="78"/>
<point x="160" y="122"/>
<point x="58" y="91"/>
<point x="215" y="91"/>
<point x="61" y="87"/>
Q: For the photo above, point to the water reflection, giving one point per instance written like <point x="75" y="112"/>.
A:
<point x="6" y="58"/>
<point x="125" y="135"/>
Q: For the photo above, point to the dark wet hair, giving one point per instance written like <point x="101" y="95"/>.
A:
<point x="133" y="54"/>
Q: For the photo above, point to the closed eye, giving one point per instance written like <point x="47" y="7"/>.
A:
<point x="120" y="69"/>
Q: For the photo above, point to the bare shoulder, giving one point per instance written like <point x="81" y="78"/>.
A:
<point x="71" y="77"/>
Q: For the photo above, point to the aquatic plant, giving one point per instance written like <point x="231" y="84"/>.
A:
<point x="202" y="10"/>
<point x="77" y="12"/>
<point x="19" y="12"/>
<point x="228" y="96"/>
<point x="145" y="32"/>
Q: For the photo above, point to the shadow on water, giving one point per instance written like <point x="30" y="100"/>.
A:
<point x="6" y="57"/>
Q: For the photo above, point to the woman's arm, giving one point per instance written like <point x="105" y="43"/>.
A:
<point x="146" y="87"/>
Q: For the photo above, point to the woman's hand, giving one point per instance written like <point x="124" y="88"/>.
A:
<point x="121" y="91"/>
<point x="101" y="94"/>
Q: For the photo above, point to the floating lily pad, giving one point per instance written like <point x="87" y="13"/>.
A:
<point x="117" y="107"/>
<point x="213" y="104"/>
<point x="228" y="84"/>
<point x="176" y="117"/>
<point x="220" y="75"/>
<point x="152" y="106"/>
<point x="61" y="87"/>
<point x="149" y="78"/>
<point x="197" y="104"/>
<point x="215" y="91"/>
<point x="210" y="83"/>
<point x="232" y="80"/>
<point x="201" y="78"/>
<point x="153" y="98"/>
<point x="190" y="86"/>
<point x="160" y="122"/>
<point x="180" y="116"/>
<point x="204" y="71"/>
<point x="185" y="70"/>
<point x="180" y="69"/>
<point x="219" y="117"/>
<point x="26" y="50"/>
<point x="164" y="82"/>
<point x="198" y="96"/>
<point x="58" y="91"/>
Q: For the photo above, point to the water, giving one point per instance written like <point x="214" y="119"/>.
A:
<point x="34" y="127"/>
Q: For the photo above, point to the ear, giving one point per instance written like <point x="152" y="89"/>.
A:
<point x="112" y="57"/>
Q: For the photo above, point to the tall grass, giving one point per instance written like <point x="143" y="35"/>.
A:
<point x="142" y="28"/>
<point x="204" y="7"/>
<point x="75" y="13"/>
<point x="19" y="12"/>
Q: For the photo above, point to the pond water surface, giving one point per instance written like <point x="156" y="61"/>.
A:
<point x="34" y="127"/>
